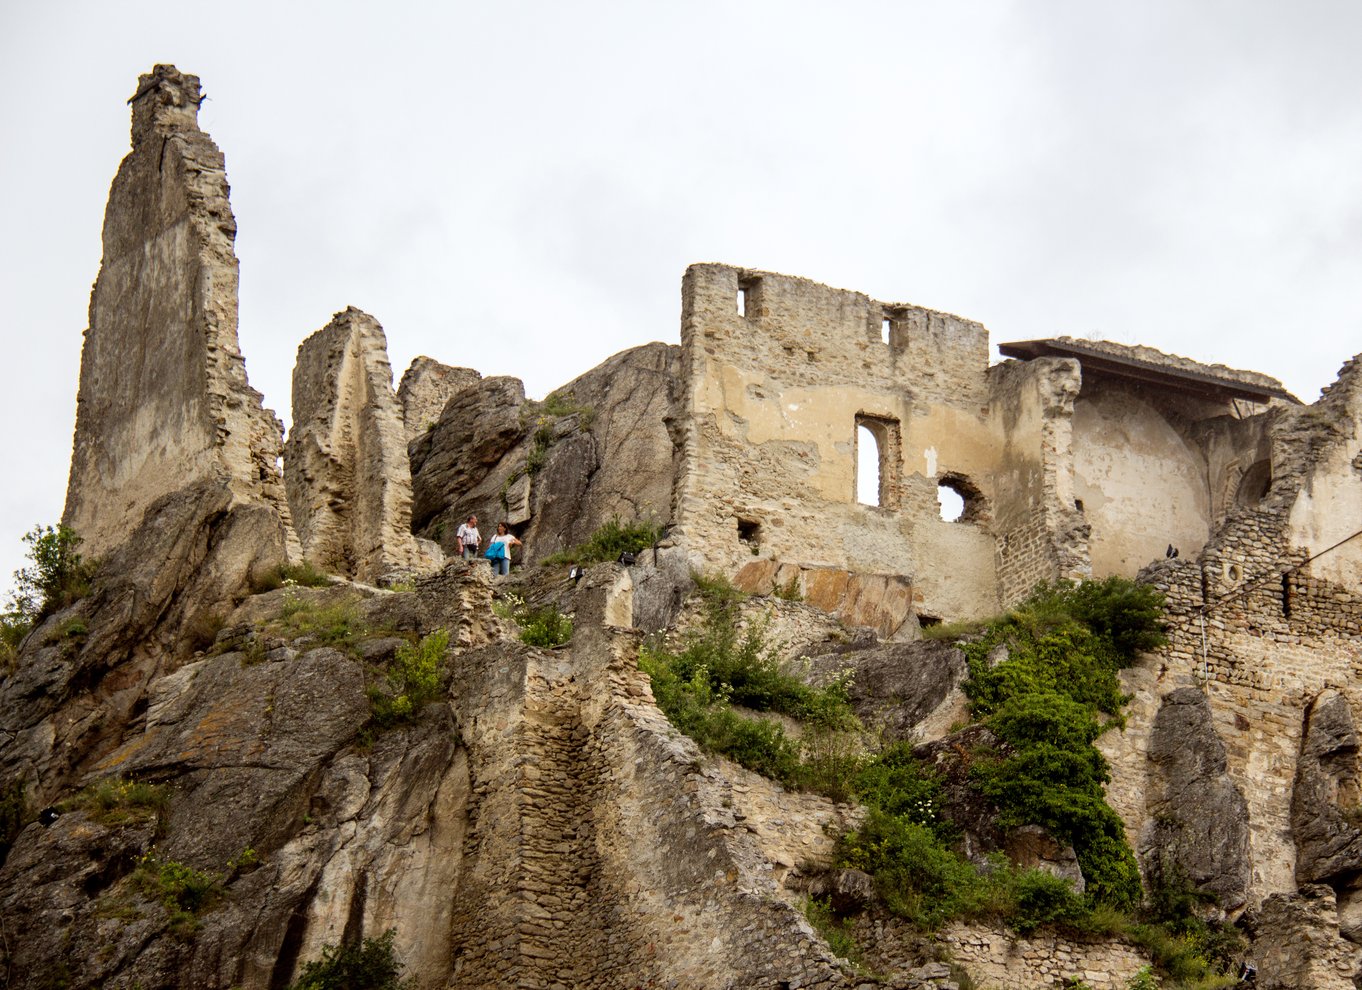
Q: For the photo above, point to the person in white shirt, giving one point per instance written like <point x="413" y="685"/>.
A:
<point x="469" y="538"/>
<point x="501" y="561"/>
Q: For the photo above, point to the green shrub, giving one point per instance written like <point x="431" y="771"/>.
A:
<point x="1053" y="695"/>
<point x="898" y="783"/>
<point x="183" y="891"/>
<point x="607" y="543"/>
<point x="412" y="680"/>
<point x="720" y="666"/>
<point x="546" y="627"/>
<point x="915" y="874"/>
<point x="789" y="591"/>
<point x="1043" y="899"/>
<point x="372" y="965"/>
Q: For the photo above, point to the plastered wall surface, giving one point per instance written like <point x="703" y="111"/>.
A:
<point x="1142" y="485"/>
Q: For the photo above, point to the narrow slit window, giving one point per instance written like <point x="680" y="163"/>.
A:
<point x="885" y="326"/>
<point x="742" y="300"/>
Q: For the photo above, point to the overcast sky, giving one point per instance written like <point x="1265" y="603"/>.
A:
<point x="518" y="186"/>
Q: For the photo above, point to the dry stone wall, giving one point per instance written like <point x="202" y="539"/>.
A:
<point x="164" y="401"/>
<point x="346" y="466"/>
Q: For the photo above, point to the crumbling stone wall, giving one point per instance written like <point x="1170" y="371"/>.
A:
<point x="346" y="467"/>
<point x="1040" y="532"/>
<point x="164" y="401"/>
<point x="1255" y="626"/>
<point x="773" y="396"/>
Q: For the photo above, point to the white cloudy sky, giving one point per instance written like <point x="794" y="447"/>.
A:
<point x="518" y="186"/>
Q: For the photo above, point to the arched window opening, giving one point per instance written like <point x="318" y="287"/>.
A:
<point x="1253" y="485"/>
<point x="960" y="499"/>
<point x="879" y="444"/>
<point x="867" y="467"/>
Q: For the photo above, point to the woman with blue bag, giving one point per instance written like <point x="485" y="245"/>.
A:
<point x="499" y="550"/>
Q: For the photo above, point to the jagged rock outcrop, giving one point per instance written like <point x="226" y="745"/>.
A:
<point x="164" y="401"/>
<point x="905" y="690"/>
<point x="1198" y="819"/>
<point x="426" y="386"/>
<point x="346" y="466"/>
<point x="1327" y="789"/>
<point x="554" y="471"/>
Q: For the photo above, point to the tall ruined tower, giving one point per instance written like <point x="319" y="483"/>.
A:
<point x="164" y="401"/>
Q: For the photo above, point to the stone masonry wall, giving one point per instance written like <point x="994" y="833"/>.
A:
<point x="349" y="479"/>
<point x="164" y="401"/>
<point x="772" y="400"/>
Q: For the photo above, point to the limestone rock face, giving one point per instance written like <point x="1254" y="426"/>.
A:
<point x="1328" y="844"/>
<point x="164" y="401"/>
<point x="349" y="480"/>
<point x="426" y="386"/>
<point x="74" y="697"/>
<point x="554" y="471"/>
<point x="1198" y="819"/>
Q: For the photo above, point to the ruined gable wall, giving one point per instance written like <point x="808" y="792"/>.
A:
<point x="771" y="404"/>
<point x="164" y="399"/>
<point x="1262" y="649"/>
<point x="349" y="479"/>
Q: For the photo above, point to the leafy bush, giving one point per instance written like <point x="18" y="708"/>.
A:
<point x="836" y="932"/>
<point x="916" y="875"/>
<point x="412" y="679"/>
<point x="900" y="784"/>
<point x="1041" y="898"/>
<point x="182" y="890"/>
<point x="372" y="965"/>
<point x="1053" y="695"/>
<point x="546" y="627"/>
<point x="607" y="543"/>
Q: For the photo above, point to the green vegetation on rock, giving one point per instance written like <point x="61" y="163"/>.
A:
<point x="412" y="680"/>
<point x="608" y="542"/>
<point x="370" y="965"/>
<point x="721" y="665"/>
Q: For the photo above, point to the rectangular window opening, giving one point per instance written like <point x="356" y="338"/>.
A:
<point x="886" y="325"/>
<point x="742" y="300"/>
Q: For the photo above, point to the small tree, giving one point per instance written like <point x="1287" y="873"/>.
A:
<point x="58" y="577"/>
